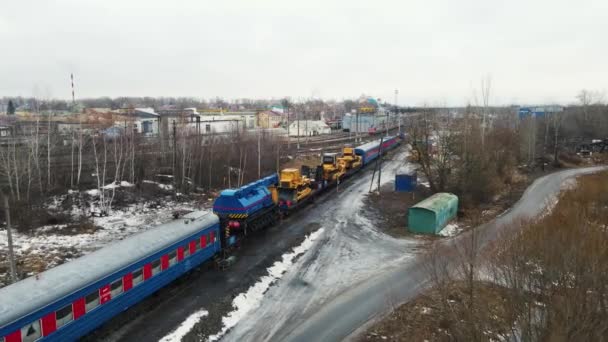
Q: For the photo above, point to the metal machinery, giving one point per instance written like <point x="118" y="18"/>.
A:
<point x="293" y="189"/>
<point x="250" y="207"/>
<point x="332" y="170"/>
<point x="349" y="159"/>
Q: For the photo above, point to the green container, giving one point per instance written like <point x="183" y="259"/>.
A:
<point x="432" y="214"/>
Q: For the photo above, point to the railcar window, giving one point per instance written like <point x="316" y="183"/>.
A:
<point x="31" y="332"/>
<point x="116" y="288"/>
<point x="186" y="251"/>
<point x="155" y="267"/>
<point x="91" y="301"/>
<point x="172" y="258"/>
<point x="64" y="315"/>
<point x="138" y="276"/>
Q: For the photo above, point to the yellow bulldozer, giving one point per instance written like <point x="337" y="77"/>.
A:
<point x="332" y="169"/>
<point x="293" y="187"/>
<point x="349" y="159"/>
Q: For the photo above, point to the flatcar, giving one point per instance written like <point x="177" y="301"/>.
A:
<point x="70" y="300"/>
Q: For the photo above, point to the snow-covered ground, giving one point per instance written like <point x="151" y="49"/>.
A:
<point x="350" y="250"/>
<point x="181" y="331"/>
<point x="250" y="300"/>
<point x="51" y="245"/>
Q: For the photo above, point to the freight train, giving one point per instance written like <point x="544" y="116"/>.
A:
<point x="70" y="300"/>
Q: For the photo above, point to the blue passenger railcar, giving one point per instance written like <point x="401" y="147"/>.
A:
<point x="68" y="301"/>
<point x="370" y="151"/>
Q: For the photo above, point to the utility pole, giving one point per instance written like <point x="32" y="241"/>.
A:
<point x="174" y="146"/>
<point x="397" y="111"/>
<point x="386" y="123"/>
<point x="380" y="165"/>
<point x="259" y="156"/>
<point x="9" y="236"/>
<point x="357" y="131"/>
<point x="377" y="167"/>
<point x="288" y="138"/>
<point x="298" y="132"/>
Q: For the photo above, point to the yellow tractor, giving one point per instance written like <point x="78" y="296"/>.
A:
<point x="293" y="187"/>
<point x="332" y="169"/>
<point x="349" y="159"/>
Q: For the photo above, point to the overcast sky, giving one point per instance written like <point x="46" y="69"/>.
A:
<point x="434" y="52"/>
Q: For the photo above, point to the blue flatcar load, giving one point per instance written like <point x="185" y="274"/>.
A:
<point x="246" y="200"/>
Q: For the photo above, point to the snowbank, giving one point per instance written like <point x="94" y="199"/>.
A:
<point x="181" y="331"/>
<point x="52" y="245"/>
<point x="451" y="229"/>
<point x="247" y="301"/>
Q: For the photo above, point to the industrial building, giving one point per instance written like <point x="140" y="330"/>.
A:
<point x="308" y="128"/>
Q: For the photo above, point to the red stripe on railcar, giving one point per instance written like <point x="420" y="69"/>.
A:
<point x="180" y="253"/>
<point x="147" y="271"/>
<point x="192" y="247"/>
<point x="79" y="309"/>
<point x="164" y="262"/>
<point x="203" y="241"/>
<point x="49" y="324"/>
<point x="13" y="337"/>
<point x="212" y="237"/>
<point x="127" y="282"/>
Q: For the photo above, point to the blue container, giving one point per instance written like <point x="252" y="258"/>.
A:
<point x="406" y="183"/>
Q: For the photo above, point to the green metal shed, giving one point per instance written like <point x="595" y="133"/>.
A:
<point x="432" y="214"/>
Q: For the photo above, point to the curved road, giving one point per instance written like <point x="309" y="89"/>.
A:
<point x="356" y="273"/>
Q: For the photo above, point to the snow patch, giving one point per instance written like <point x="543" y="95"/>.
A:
<point x="181" y="331"/>
<point x="451" y="229"/>
<point x="93" y="192"/>
<point x="247" y="301"/>
<point x="160" y="185"/>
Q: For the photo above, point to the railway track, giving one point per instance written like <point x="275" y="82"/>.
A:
<point x="334" y="144"/>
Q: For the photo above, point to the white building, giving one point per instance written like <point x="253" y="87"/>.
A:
<point x="307" y="128"/>
<point x="248" y="119"/>
<point x="217" y="125"/>
<point x="146" y="121"/>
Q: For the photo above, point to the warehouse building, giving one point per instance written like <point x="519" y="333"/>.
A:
<point x="431" y="215"/>
<point x="308" y="128"/>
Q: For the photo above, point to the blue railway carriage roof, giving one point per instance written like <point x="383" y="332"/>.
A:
<point x="34" y="293"/>
<point x="372" y="144"/>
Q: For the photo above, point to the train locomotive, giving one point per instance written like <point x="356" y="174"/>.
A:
<point x="68" y="301"/>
